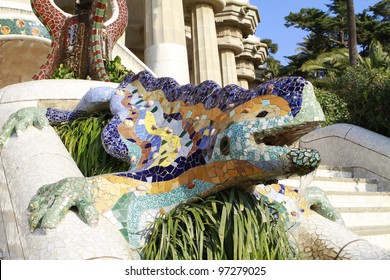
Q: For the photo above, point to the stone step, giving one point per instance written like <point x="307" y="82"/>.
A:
<point x="361" y="199"/>
<point x="331" y="172"/>
<point x="365" y="211"/>
<point x="365" y="216"/>
<point x="376" y="234"/>
<point x="337" y="184"/>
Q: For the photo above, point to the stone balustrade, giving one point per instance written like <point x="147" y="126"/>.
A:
<point x="36" y="158"/>
<point x="346" y="145"/>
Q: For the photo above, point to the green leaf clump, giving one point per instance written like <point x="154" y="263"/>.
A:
<point x="367" y="95"/>
<point x="116" y="71"/>
<point x="229" y="225"/>
<point x="334" y="107"/>
<point x="63" y="72"/>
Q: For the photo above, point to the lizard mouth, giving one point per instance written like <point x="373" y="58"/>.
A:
<point x="283" y="137"/>
<point x="302" y="161"/>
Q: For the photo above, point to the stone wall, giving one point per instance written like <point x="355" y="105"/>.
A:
<point x="346" y="145"/>
<point x="38" y="157"/>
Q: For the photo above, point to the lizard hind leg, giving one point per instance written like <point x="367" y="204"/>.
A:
<point x="319" y="202"/>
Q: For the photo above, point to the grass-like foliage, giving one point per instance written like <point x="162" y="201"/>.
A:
<point x="82" y="138"/>
<point x="230" y="225"/>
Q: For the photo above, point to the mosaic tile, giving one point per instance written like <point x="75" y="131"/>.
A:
<point x="178" y="149"/>
<point x="80" y="41"/>
<point x="18" y="26"/>
<point x="177" y="141"/>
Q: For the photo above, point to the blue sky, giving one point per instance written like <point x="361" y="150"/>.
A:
<point x="272" y="13"/>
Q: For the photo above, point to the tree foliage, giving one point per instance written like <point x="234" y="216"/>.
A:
<point x="328" y="31"/>
<point x="271" y="67"/>
<point x="366" y="91"/>
<point x="374" y="23"/>
<point x="337" y="60"/>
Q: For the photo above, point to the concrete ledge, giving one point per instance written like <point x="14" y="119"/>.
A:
<point x="12" y="7"/>
<point x="346" y="145"/>
<point x="36" y="158"/>
<point x="49" y="89"/>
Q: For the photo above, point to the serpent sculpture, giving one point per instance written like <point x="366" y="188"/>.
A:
<point x="82" y="41"/>
<point x="189" y="141"/>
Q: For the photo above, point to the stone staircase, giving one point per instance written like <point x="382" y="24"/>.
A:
<point x="365" y="211"/>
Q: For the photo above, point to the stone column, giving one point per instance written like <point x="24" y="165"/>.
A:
<point x="237" y="20"/>
<point x="228" y="67"/>
<point x="206" y="65"/>
<point x="166" y="50"/>
<point x="254" y="54"/>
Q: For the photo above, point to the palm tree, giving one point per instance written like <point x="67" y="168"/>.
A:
<point x="335" y="60"/>
<point x="352" y="37"/>
<point x="338" y="59"/>
<point x="377" y="57"/>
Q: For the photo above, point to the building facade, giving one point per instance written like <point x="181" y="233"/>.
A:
<point x="189" y="40"/>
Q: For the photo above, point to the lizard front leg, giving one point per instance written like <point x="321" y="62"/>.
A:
<point x="89" y="195"/>
<point x="49" y="206"/>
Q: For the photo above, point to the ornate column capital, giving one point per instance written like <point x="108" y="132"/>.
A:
<point x="254" y="50"/>
<point x="230" y="38"/>
<point x="217" y="5"/>
<point x="253" y="55"/>
<point x="240" y="14"/>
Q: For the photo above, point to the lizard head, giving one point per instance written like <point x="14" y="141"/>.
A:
<point x="261" y="131"/>
<point x="228" y="136"/>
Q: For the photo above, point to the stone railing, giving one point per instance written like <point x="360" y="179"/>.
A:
<point x="129" y="59"/>
<point x="36" y="158"/>
<point x="346" y="145"/>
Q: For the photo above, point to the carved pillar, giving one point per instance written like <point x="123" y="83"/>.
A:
<point x="253" y="55"/>
<point x="206" y="65"/>
<point x="228" y="67"/>
<point x="237" y="20"/>
<point x="166" y="51"/>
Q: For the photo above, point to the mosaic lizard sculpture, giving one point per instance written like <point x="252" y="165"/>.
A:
<point x="190" y="141"/>
<point x="82" y="41"/>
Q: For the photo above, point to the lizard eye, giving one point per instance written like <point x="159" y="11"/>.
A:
<point x="225" y="146"/>
<point x="262" y="114"/>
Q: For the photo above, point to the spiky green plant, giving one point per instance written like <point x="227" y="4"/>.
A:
<point x="228" y="225"/>
<point x="82" y="138"/>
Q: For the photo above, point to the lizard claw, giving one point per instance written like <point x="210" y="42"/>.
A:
<point x="53" y="201"/>
<point x="18" y="122"/>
